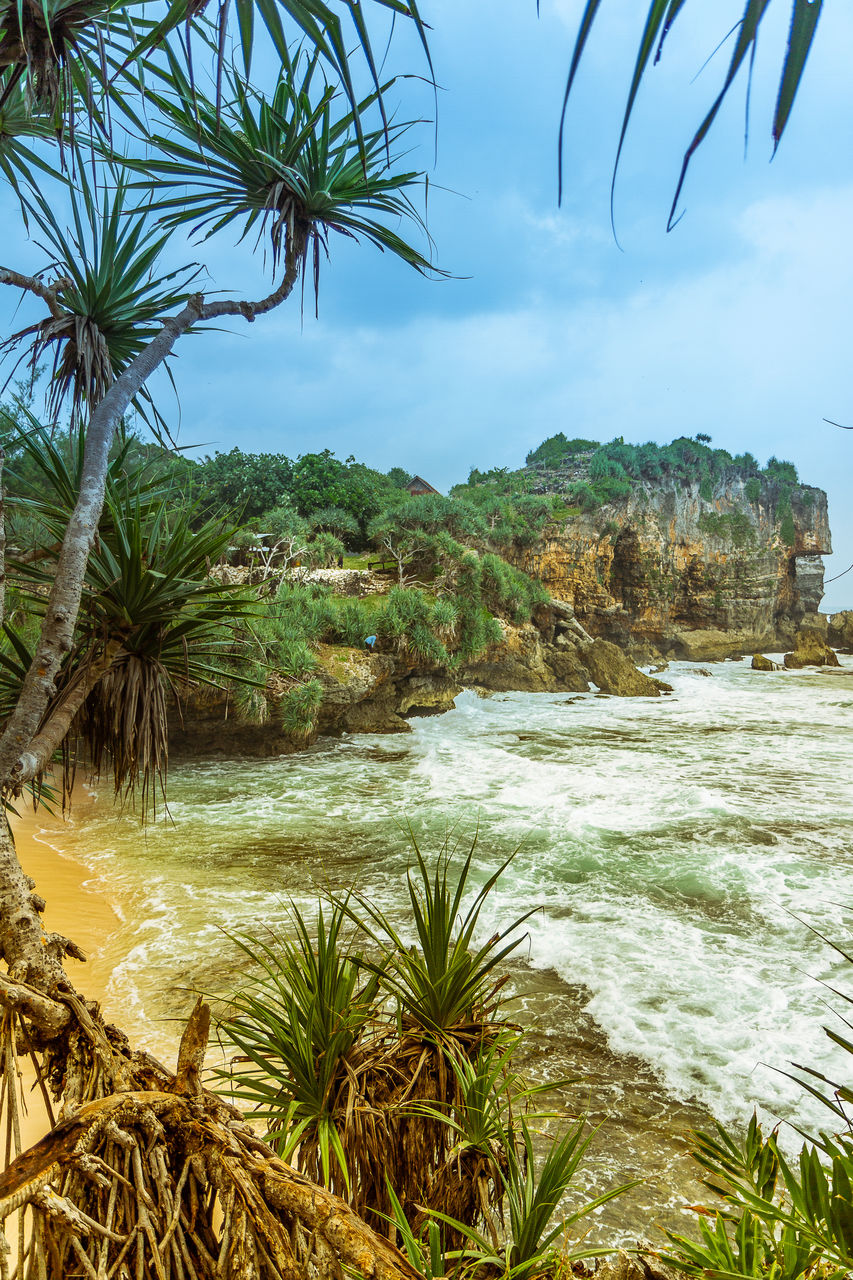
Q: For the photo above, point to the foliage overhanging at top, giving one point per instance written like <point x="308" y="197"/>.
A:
<point x="286" y="163"/>
<point x="660" y="21"/>
<point x="60" y="48"/>
<point x="147" y="127"/>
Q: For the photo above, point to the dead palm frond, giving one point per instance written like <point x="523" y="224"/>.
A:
<point x="44" y="43"/>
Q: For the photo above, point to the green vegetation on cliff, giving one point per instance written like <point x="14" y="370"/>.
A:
<point x="605" y="472"/>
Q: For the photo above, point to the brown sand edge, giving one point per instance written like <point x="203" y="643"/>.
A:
<point x="73" y="909"/>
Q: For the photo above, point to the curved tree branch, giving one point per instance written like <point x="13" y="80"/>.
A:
<point x="32" y="284"/>
<point x="64" y="603"/>
<point x="51" y="735"/>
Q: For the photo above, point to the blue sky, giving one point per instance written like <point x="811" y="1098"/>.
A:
<point x="737" y="324"/>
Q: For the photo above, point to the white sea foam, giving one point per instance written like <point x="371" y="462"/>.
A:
<point x="671" y="845"/>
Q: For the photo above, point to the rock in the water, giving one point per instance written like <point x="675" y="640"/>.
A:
<point x="707" y="645"/>
<point x="609" y="668"/>
<point x="760" y="663"/>
<point x="839" y="632"/>
<point x="810" y="650"/>
<point x="569" y="670"/>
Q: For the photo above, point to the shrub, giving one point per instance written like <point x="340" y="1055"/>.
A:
<point x="383" y="1066"/>
<point x="582" y="495"/>
<point x="298" y="1025"/>
<point x="323" y="551"/>
<point x="300" y="708"/>
<point x="788" y="531"/>
<point x="557" y="449"/>
<point x="734" y="527"/>
<point x="779" y="470"/>
<point x="354" y="621"/>
<point x="752" y="489"/>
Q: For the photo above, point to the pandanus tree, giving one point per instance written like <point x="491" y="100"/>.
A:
<point x="122" y="127"/>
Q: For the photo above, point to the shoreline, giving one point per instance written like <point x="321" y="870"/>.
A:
<point x="73" y="909"/>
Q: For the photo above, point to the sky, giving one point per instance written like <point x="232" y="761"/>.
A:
<point x="737" y="323"/>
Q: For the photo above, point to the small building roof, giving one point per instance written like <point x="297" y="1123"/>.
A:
<point x="417" y="484"/>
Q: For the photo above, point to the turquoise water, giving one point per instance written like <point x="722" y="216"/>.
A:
<point x="675" y="849"/>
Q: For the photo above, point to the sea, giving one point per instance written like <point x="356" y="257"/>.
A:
<point x="688" y="861"/>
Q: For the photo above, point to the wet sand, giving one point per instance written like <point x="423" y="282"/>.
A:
<point x="74" y="910"/>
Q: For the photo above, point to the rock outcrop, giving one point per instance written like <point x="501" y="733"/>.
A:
<point x="761" y="662"/>
<point x="839" y="632"/>
<point x="377" y="693"/>
<point x="381" y="692"/>
<point x="810" y="650"/>
<point x="666" y="570"/>
<point x="613" y="672"/>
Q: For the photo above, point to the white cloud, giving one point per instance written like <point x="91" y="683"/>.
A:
<point x="754" y="351"/>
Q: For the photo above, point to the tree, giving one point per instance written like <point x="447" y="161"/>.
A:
<point x="247" y="483"/>
<point x="321" y="481"/>
<point x="119" y="133"/>
<point x="660" y="21"/>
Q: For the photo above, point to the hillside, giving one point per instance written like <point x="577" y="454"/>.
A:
<point x="680" y="548"/>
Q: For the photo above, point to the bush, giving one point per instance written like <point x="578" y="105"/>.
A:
<point x="788" y="530"/>
<point x="734" y="527"/>
<point x="752" y="489"/>
<point x="557" y="449"/>
<point x="409" y="623"/>
<point x="300" y="708"/>
<point x="354" y="622"/>
<point x="778" y="470"/>
<point x="383" y="1067"/>
<point x="323" y="551"/>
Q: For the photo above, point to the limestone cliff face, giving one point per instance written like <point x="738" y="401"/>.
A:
<point x="668" y="569"/>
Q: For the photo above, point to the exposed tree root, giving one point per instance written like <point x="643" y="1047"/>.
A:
<point x="147" y="1176"/>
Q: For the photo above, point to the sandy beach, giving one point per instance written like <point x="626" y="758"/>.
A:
<point x="72" y="909"/>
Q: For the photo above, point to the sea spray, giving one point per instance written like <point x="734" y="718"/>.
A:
<point x="677" y="847"/>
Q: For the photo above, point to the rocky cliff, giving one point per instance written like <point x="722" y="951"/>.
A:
<point x="671" y="571"/>
<point x="381" y="692"/>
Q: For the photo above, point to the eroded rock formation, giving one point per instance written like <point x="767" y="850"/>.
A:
<point x="667" y="570"/>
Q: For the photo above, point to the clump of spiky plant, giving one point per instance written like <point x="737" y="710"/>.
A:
<point x="398" y="1085"/>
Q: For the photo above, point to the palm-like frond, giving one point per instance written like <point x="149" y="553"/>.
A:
<point x="445" y="982"/>
<point x="64" y="51"/>
<point x="147" y="585"/>
<point x="111" y="302"/>
<point x="660" y="19"/>
<point x="287" y="165"/>
<point x="18" y="122"/>
<point x="149" y="604"/>
<point x="47" y="484"/>
<point x="321" y="28"/>
<point x="298" y="1027"/>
